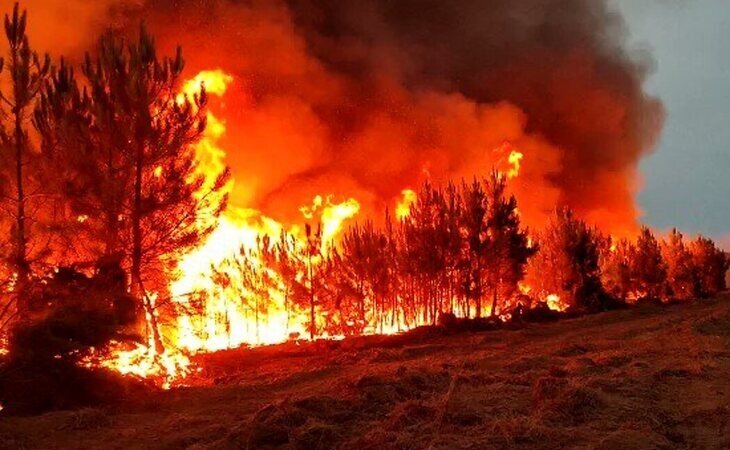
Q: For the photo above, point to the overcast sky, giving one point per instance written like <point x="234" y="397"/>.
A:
<point x="687" y="179"/>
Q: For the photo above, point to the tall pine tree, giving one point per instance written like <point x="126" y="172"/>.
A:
<point x="26" y="74"/>
<point x="128" y="162"/>
<point x="509" y="244"/>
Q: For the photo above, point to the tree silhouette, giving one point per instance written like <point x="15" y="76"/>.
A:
<point x="26" y="73"/>
<point x="128" y="163"/>
<point x="681" y="274"/>
<point x="568" y="262"/>
<point x="508" y="244"/>
<point x="616" y="268"/>
<point x="711" y="264"/>
<point x="648" y="268"/>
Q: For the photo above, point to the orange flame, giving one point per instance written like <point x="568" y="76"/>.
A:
<point x="514" y="159"/>
<point x="403" y="208"/>
<point x="214" y="315"/>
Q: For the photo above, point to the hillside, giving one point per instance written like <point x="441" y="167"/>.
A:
<point x="650" y="377"/>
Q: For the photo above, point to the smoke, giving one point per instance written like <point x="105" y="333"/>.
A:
<point x="365" y="99"/>
<point x="69" y="27"/>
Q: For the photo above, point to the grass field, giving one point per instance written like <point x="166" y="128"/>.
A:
<point x="646" y="378"/>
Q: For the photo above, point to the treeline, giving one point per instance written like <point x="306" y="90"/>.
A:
<point x="99" y="175"/>
<point x="462" y="251"/>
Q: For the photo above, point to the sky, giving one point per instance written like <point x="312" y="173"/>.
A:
<point x="686" y="181"/>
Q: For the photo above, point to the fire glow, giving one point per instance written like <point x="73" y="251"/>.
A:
<point x="213" y="315"/>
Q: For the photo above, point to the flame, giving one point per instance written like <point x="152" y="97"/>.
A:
<point x="142" y="361"/>
<point x="524" y="289"/>
<point x="226" y="320"/>
<point x="403" y="208"/>
<point x="215" y="82"/>
<point x="554" y="302"/>
<point x="168" y="366"/>
<point x="333" y="216"/>
<point x="216" y="305"/>
<point x="514" y="159"/>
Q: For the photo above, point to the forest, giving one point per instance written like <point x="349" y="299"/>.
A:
<point x="103" y="193"/>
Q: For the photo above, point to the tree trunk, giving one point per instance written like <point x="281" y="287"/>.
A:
<point x="112" y="220"/>
<point x="311" y="299"/>
<point x="21" y="257"/>
<point x="136" y="272"/>
<point x="494" y="300"/>
<point x="136" y="287"/>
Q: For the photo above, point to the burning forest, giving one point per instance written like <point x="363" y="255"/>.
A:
<point x="235" y="174"/>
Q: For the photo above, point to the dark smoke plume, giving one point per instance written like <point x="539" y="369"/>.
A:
<point x="365" y="98"/>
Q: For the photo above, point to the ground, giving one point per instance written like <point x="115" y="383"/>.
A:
<point x="645" y="378"/>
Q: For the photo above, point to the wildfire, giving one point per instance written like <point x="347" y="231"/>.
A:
<point x="333" y="215"/>
<point x="232" y="315"/>
<point x="217" y="305"/>
<point x="143" y="361"/>
<point x="403" y="208"/>
<point x="514" y="160"/>
<point x="553" y="301"/>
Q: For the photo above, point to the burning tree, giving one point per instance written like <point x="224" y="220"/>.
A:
<point x="712" y="265"/>
<point x="19" y="187"/>
<point x="616" y="272"/>
<point x="362" y="263"/>
<point x="509" y="246"/>
<point x="425" y="245"/>
<point x="682" y="278"/>
<point x="568" y="262"/>
<point x="634" y="270"/>
<point x="649" y="271"/>
<point x="125" y="148"/>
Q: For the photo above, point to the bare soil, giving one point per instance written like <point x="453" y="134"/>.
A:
<point x="645" y="378"/>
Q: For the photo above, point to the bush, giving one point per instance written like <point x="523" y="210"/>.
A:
<point x="68" y="313"/>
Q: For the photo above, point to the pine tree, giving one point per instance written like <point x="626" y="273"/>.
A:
<point x="81" y="180"/>
<point x="568" y="262"/>
<point x="129" y="163"/>
<point x="508" y="244"/>
<point x="616" y="264"/>
<point x="712" y="265"/>
<point x="26" y="72"/>
<point x="681" y="272"/>
<point x="425" y="254"/>
<point x="362" y="270"/>
<point x="476" y="254"/>
<point x="648" y="268"/>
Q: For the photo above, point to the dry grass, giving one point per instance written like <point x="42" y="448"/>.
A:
<point x="654" y="378"/>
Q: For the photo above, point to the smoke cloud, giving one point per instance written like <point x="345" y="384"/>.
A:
<point x="364" y="99"/>
<point x="69" y="27"/>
